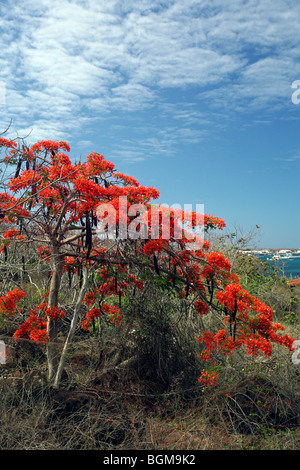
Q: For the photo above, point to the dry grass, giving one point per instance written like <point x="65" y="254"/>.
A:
<point x="255" y="406"/>
<point x="105" y="416"/>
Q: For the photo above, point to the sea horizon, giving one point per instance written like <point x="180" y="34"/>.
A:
<point x="288" y="263"/>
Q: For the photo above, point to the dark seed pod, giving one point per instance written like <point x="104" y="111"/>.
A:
<point x="156" y="264"/>
<point x="18" y="168"/>
<point x="88" y="237"/>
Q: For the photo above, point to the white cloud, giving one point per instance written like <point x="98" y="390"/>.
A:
<point x="64" y="63"/>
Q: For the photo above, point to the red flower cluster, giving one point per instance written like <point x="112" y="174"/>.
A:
<point x="208" y="379"/>
<point x="34" y="329"/>
<point x="8" y="303"/>
<point x="12" y="209"/>
<point x="7" y="143"/>
<point x="97" y="165"/>
<point x="93" y="313"/>
<point x="112" y="311"/>
<point x="154" y="246"/>
<point x="50" y="145"/>
<point x="11" y="233"/>
<point x="128" y="180"/>
<point x="54" y="312"/>
<point x="70" y="265"/>
<point x="213" y="222"/>
<point x="255" y="333"/>
<point x="27" y="178"/>
<point x="44" y="254"/>
<point x="62" y="169"/>
<point x="89" y="298"/>
<point x="137" y="282"/>
<point x="217" y="263"/>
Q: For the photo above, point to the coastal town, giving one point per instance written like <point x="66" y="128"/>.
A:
<point x="279" y="253"/>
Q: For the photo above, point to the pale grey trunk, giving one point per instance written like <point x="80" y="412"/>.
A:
<point x="74" y="322"/>
<point x="52" y="347"/>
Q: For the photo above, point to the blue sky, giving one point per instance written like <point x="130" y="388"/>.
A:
<point x="191" y="97"/>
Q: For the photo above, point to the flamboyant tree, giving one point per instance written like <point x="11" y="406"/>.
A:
<point x="87" y="217"/>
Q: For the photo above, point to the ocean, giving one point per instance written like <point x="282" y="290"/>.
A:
<point x="289" y="267"/>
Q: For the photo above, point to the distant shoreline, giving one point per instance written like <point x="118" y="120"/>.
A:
<point x="272" y="250"/>
<point x="288" y="259"/>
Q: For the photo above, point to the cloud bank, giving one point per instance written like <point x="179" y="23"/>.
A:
<point x="68" y="63"/>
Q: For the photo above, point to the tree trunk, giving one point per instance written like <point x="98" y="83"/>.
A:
<point x="72" y="328"/>
<point x="52" y="347"/>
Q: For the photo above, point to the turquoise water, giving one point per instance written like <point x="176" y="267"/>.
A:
<point x="288" y="267"/>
